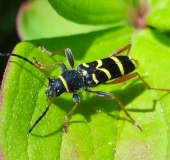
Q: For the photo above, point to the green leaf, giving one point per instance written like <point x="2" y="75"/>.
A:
<point x="158" y="15"/>
<point x="95" y="131"/>
<point x="25" y="100"/>
<point x="98" y="129"/>
<point x="152" y="50"/>
<point x="90" y="12"/>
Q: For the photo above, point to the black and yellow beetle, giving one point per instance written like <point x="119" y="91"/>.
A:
<point x="111" y="70"/>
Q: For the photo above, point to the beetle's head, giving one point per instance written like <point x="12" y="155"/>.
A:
<point x="55" y="88"/>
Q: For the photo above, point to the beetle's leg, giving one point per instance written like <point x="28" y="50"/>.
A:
<point x="132" y="75"/>
<point x="43" y="49"/>
<point x="68" y="53"/>
<point x="69" y="56"/>
<point x="112" y="97"/>
<point x="76" y="99"/>
<point x="42" y="66"/>
<point x="120" y="50"/>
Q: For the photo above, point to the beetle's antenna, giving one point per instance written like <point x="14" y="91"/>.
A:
<point x="43" y="114"/>
<point x="25" y="59"/>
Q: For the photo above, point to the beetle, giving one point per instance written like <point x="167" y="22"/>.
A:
<point x="110" y="70"/>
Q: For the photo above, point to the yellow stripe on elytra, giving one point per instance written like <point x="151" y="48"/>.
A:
<point x="94" y="78"/>
<point x="135" y="62"/>
<point x="103" y="69"/>
<point x="64" y="83"/>
<point x="85" y="65"/>
<point x="119" y="64"/>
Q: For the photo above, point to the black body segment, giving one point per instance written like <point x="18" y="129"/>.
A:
<point x="69" y="81"/>
<point x="101" y="71"/>
<point x="72" y="80"/>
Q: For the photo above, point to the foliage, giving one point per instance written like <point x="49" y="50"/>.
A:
<point x="98" y="129"/>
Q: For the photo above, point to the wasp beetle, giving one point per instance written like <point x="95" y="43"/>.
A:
<point x="111" y="70"/>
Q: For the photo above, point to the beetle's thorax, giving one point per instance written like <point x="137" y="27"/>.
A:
<point x="69" y="81"/>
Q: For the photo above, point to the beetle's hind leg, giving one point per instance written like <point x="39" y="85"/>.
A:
<point x="112" y="97"/>
<point x="133" y="75"/>
<point x="120" y="50"/>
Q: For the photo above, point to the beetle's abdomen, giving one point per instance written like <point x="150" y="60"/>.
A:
<point x="101" y="71"/>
